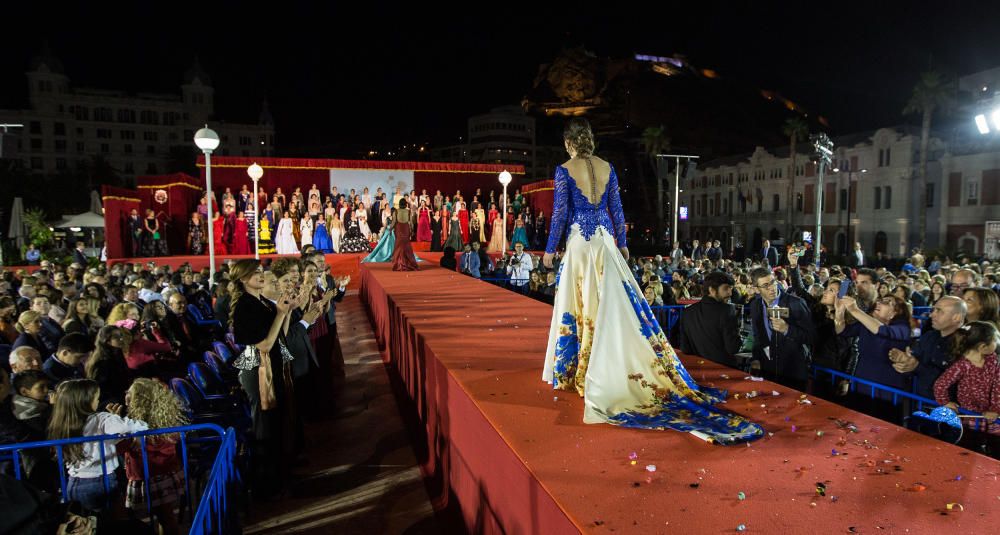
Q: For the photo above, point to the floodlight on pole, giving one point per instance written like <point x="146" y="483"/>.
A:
<point x="823" y="151"/>
<point x="995" y="118"/>
<point x="207" y="141"/>
<point x="981" y="124"/>
<point x="255" y="172"/>
<point x="505" y="179"/>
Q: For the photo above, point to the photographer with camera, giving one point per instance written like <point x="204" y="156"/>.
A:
<point x="519" y="267"/>
<point x="783" y="331"/>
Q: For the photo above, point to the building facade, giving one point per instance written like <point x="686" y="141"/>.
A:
<point x="869" y="196"/>
<point x="136" y="134"/>
<point x="505" y="135"/>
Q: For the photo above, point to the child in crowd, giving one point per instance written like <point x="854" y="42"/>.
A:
<point x="31" y="399"/>
<point x="975" y="371"/>
<point x="152" y="402"/>
<point x="75" y="414"/>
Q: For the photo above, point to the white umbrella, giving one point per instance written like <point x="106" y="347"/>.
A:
<point x="17" y="232"/>
<point x="84" y="220"/>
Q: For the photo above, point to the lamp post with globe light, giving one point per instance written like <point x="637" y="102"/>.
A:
<point x="255" y="172"/>
<point x="505" y="179"/>
<point x="207" y="141"/>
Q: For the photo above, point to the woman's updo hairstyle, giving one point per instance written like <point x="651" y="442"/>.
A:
<point x="579" y="136"/>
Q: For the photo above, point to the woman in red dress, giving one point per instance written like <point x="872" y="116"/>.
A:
<point x="241" y="235"/>
<point x="492" y="216"/>
<point x="218" y="231"/>
<point x="423" y="222"/>
<point x="402" y="253"/>
<point x="463" y="220"/>
<point x="510" y="221"/>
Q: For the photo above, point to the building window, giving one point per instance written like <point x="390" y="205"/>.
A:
<point x="150" y="136"/>
<point x="888" y="197"/>
<point x="843" y="199"/>
<point x="150" y="149"/>
<point x="878" y="198"/>
<point x="129" y="168"/>
<point x="79" y="146"/>
<point x="128" y="148"/>
<point x="126" y="116"/>
<point x="930" y="195"/>
<point x="245" y="140"/>
<point x="36" y="143"/>
<point x="60" y="129"/>
<point x="82" y="113"/>
<point x="103" y="114"/>
<point x="151" y="168"/>
<point x="881" y="158"/>
<point x="149" y="117"/>
<point x="61" y="164"/>
<point x="36" y="163"/>
<point x="972" y="193"/>
<point x="775" y="203"/>
<point x="104" y="133"/>
<point x="105" y="148"/>
<point x="60" y="145"/>
<point x="35" y="127"/>
<point x="798" y="202"/>
<point x="887" y="152"/>
<point x="127" y="134"/>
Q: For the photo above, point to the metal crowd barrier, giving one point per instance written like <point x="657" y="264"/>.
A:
<point x="212" y="513"/>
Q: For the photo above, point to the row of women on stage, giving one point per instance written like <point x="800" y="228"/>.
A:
<point x="237" y="233"/>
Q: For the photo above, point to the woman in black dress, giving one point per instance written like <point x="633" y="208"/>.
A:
<point x="260" y="325"/>
<point x="436" y="231"/>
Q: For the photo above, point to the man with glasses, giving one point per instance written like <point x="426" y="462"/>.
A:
<point x="782" y="335"/>
<point x="961" y="280"/>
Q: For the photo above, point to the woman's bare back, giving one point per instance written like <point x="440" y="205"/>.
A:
<point x="591" y="176"/>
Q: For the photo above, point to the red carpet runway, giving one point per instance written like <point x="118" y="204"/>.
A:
<point x="518" y="458"/>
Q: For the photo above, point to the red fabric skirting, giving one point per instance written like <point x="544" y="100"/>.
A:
<point x="519" y="459"/>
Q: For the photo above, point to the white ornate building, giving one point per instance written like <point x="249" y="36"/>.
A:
<point x="135" y="133"/>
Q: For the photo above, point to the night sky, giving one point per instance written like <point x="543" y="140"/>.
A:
<point x="338" y="78"/>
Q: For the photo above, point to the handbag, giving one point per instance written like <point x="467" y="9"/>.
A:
<point x="156" y="235"/>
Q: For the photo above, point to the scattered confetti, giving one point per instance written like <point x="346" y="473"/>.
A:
<point x="694" y="485"/>
<point x="955" y="507"/>
<point x="775" y="393"/>
<point x="753" y="378"/>
<point x="636" y="484"/>
<point x="821" y="489"/>
<point x="834" y="452"/>
<point x="741" y="527"/>
<point x="819" y="433"/>
<point x="723" y="376"/>
<point x="812" y="504"/>
<point x="958" y="478"/>
<point x="633" y="456"/>
<point x="834" y="498"/>
<point x="650" y="467"/>
<point x="741" y="496"/>
<point x="795" y="428"/>
<point x="917" y="487"/>
<point x="554" y="398"/>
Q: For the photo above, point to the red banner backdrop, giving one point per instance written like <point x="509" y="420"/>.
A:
<point x="172" y="198"/>
<point x="118" y="203"/>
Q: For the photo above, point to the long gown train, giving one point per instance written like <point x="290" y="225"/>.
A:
<point x="604" y="341"/>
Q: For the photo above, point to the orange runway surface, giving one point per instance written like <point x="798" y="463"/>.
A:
<point x="518" y="458"/>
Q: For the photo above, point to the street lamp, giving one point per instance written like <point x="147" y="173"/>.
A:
<point x="823" y="152"/>
<point x="207" y="140"/>
<point x="677" y="185"/>
<point x="505" y="180"/>
<point x="255" y="171"/>
<point x="850" y="180"/>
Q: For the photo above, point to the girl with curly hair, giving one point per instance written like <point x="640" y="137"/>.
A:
<point x="152" y="402"/>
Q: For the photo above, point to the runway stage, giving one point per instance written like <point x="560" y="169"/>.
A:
<point x="518" y="458"/>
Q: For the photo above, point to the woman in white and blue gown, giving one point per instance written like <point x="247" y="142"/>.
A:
<point x="604" y="341"/>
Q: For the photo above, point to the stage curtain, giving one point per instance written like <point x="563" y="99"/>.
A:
<point x="286" y="178"/>
<point x="118" y="202"/>
<point x="183" y="192"/>
<point x="540" y="196"/>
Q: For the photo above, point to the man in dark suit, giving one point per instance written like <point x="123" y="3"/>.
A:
<point x="781" y="344"/>
<point x="857" y="256"/>
<point x="710" y="328"/>
<point x="769" y="255"/>
<point x="79" y="256"/>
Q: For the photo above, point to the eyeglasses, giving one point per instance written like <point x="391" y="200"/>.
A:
<point x="769" y="285"/>
<point x="887" y="302"/>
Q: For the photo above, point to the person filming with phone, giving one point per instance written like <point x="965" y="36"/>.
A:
<point x="783" y="332"/>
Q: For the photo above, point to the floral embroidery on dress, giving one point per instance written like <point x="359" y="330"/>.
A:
<point x="584" y="213"/>
<point x="567" y="350"/>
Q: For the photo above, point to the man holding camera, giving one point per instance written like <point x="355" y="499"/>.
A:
<point x="783" y="331"/>
<point x="519" y="268"/>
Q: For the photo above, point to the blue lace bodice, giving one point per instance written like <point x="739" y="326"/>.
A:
<point x="572" y="206"/>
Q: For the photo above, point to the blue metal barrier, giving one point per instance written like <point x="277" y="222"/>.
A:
<point x="220" y="480"/>
<point x="896" y="393"/>
<point x="668" y="315"/>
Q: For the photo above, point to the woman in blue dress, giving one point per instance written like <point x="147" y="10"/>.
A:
<point x="519" y="234"/>
<point x="321" y="238"/>
<point x="604" y="341"/>
<point x="386" y="243"/>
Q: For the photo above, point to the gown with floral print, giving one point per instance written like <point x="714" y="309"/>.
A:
<point x="604" y="341"/>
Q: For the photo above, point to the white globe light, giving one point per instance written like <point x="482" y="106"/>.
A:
<point x="255" y="171"/>
<point x="206" y="139"/>
<point x="505" y="177"/>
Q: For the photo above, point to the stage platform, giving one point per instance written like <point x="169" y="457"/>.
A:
<point x="518" y="458"/>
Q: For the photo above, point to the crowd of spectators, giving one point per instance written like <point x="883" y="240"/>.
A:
<point x="90" y="351"/>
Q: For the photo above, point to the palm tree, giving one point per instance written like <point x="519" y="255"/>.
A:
<point x="933" y="92"/>
<point x="656" y="142"/>
<point x="795" y="128"/>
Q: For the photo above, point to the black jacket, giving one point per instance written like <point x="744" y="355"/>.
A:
<point x="770" y="255"/>
<point x="788" y="356"/>
<point x="300" y="346"/>
<point x="710" y="329"/>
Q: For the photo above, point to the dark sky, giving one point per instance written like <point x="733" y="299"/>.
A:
<point x="387" y="74"/>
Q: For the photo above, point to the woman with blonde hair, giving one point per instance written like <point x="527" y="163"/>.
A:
<point x="29" y="325"/>
<point x="123" y="311"/>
